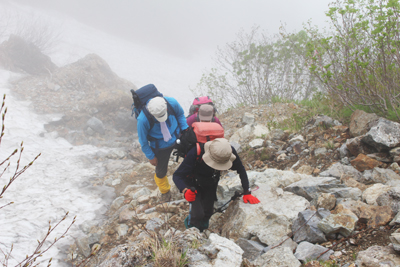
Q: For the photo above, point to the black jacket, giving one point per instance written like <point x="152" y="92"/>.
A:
<point x="192" y="168"/>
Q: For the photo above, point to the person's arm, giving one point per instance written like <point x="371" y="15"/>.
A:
<point x="218" y="121"/>
<point x="143" y="127"/>
<point x="191" y="119"/>
<point x="185" y="170"/>
<point x="180" y="114"/>
<point x="239" y="168"/>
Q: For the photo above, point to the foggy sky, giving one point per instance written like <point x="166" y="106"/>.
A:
<point x="185" y="27"/>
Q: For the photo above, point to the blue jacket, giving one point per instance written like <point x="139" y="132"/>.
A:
<point x="175" y="126"/>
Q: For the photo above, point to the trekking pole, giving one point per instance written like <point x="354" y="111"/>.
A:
<point x="234" y="197"/>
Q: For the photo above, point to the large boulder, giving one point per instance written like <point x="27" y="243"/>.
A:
<point x="360" y="122"/>
<point x="269" y="220"/>
<point x="384" y="136"/>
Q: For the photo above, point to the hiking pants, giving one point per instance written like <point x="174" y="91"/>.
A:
<point x="203" y="206"/>
<point x="163" y="155"/>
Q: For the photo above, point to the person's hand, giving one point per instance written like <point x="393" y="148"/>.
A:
<point x="250" y="199"/>
<point x="154" y="161"/>
<point x="190" y="195"/>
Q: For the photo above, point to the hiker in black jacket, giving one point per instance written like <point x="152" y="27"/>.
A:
<point x="198" y="175"/>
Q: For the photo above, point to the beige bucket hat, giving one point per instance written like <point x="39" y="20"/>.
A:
<point x="218" y="154"/>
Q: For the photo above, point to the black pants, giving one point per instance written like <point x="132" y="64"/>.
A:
<point x="163" y="156"/>
<point x="203" y="206"/>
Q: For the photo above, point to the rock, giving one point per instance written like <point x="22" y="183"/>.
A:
<point x="382" y="157"/>
<point x="326" y="201"/>
<point x="252" y="249"/>
<point x="117" y="203"/>
<point x="376" y="215"/>
<point x="395" y="239"/>
<point x="222" y="251"/>
<point x="305" y="169"/>
<point x="390" y="198"/>
<point x="236" y="146"/>
<point x="269" y="220"/>
<point x="96" y="125"/>
<point x="256" y="143"/>
<point x="278" y="134"/>
<point x="355" y="146"/>
<point x="309" y="231"/>
<point x="261" y="131"/>
<point x="83" y="246"/>
<point x="344" y="152"/>
<point x="395" y="167"/>
<point x="310" y="188"/>
<point x="306" y="251"/>
<point x="297" y="138"/>
<point x="354" y="206"/>
<point x="363" y="162"/>
<point x="385" y="135"/>
<point x="119" y="165"/>
<point x="320" y="151"/>
<point x="385" y="176"/>
<point x="339" y="171"/>
<point x="280" y="256"/>
<point x="372" y="193"/>
<point x="360" y="122"/>
<point x="154" y="224"/>
<point x="377" y="256"/>
<point x="350" y="182"/>
<point x="248" y="118"/>
<point x="325" y="121"/>
<point x="341" y="221"/>
<point x="242" y="134"/>
<point x="122" y="229"/>
<point x="144" y="191"/>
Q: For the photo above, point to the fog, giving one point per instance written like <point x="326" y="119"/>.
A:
<point x="186" y="28"/>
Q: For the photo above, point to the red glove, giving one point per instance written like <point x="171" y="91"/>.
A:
<point x="190" y="195"/>
<point x="250" y="199"/>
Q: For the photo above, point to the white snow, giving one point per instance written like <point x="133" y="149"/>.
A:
<point x="58" y="181"/>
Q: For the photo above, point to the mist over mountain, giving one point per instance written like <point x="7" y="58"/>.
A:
<point x="186" y="28"/>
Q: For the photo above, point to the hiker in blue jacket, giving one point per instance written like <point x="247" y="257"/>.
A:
<point x="198" y="175"/>
<point x="158" y="141"/>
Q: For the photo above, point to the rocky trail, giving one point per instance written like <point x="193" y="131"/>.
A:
<point x="334" y="189"/>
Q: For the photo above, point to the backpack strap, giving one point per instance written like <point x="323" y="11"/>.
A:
<point x="200" y="151"/>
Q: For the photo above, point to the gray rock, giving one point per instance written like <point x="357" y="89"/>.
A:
<point x="117" y="203"/>
<point x="377" y="256"/>
<point x="252" y="249"/>
<point x="154" y="224"/>
<point x="344" y="152"/>
<point x="384" y="136"/>
<point x="306" y="251"/>
<point x="280" y="256"/>
<point x="341" y="223"/>
<point x="236" y="146"/>
<point x="277" y="134"/>
<point x="391" y="198"/>
<point x="256" y="143"/>
<point x="248" y="118"/>
<point x="310" y="188"/>
<point x="96" y="125"/>
<point x="395" y="152"/>
<point x="122" y="229"/>
<point x="309" y="231"/>
<point x="339" y="170"/>
<point x="83" y="246"/>
<point x="320" y="151"/>
<point x="360" y="122"/>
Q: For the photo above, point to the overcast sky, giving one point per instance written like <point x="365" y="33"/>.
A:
<point x="184" y="27"/>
